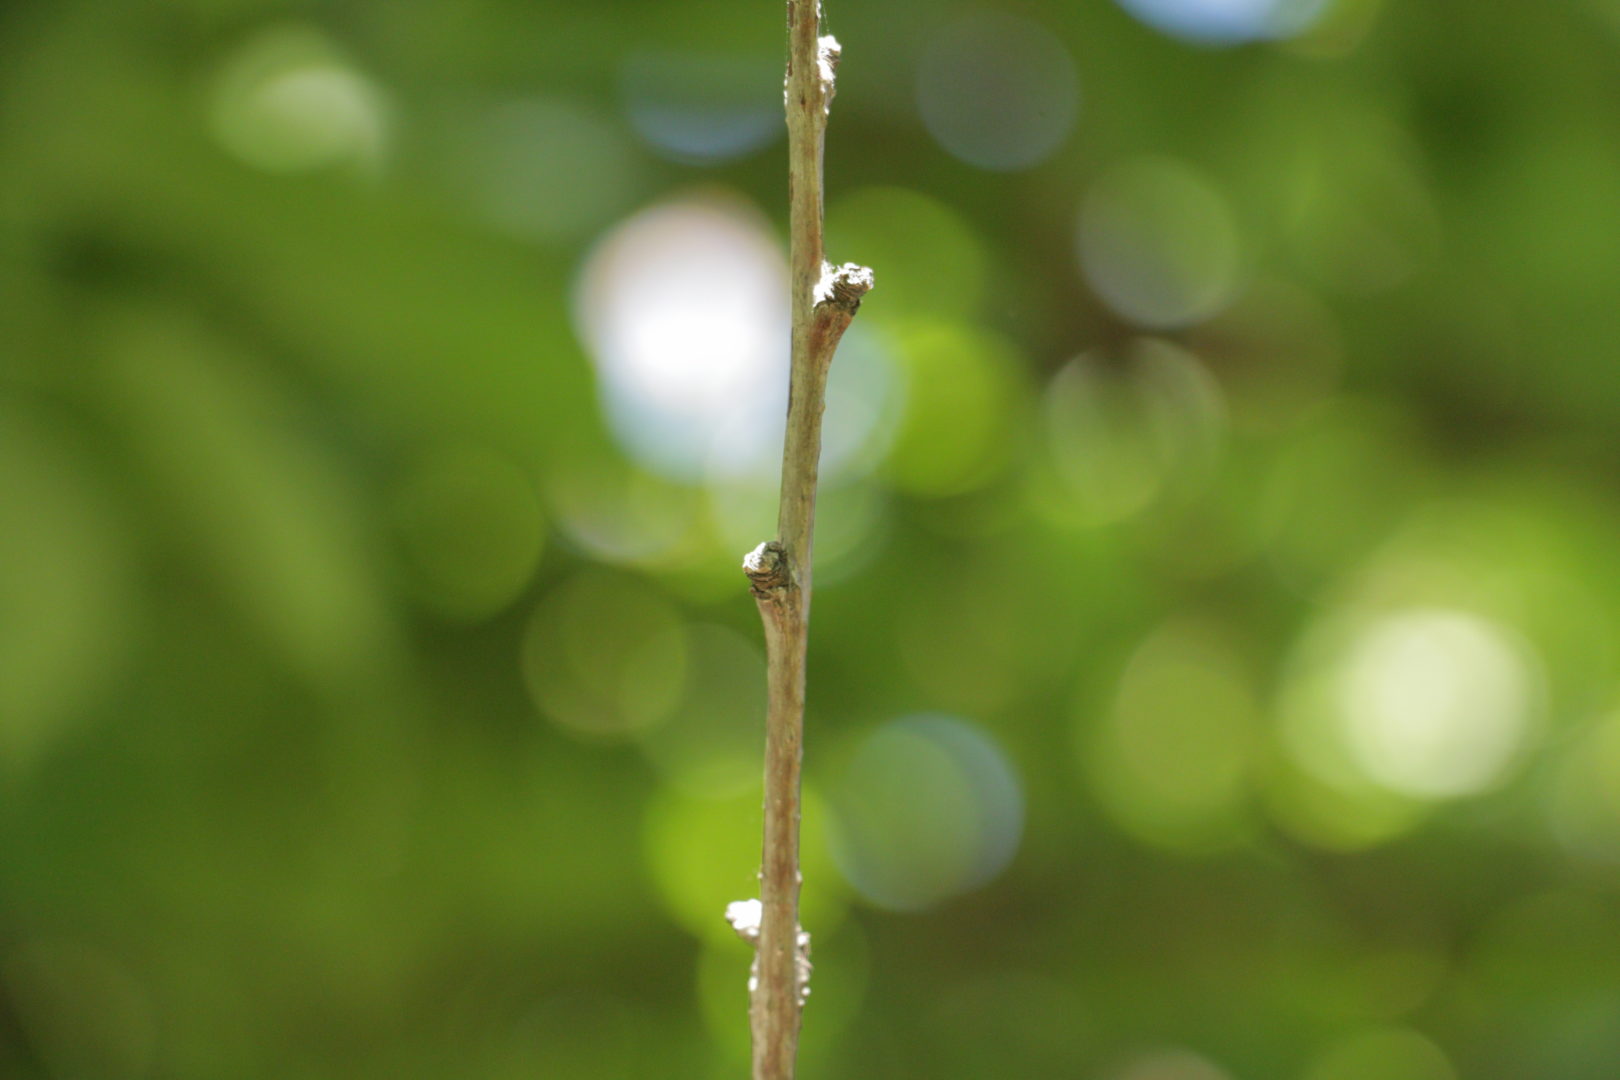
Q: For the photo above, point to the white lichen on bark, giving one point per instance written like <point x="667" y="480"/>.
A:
<point x="744" y="917"/>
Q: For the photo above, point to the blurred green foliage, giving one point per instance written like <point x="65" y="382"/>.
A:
<point x="1214" y="671"/>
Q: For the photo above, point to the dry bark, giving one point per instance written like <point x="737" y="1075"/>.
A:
<point x="825" y="299"/>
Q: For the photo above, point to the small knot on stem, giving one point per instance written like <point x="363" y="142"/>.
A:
<point x="767" y="568"/>
<point x="843" y="287"/>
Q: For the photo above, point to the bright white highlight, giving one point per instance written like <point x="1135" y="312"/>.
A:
<point x="684" y="310"/>
<point x="746" y="917"/>
<point x="1436" y="703"/>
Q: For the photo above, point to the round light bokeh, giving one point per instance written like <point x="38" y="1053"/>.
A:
<point x="505" y="163"/>
<point x="1409" y="706"/>
<point x="683" y="308"/>
<point x="618" y="513"/>
<point x="1171" y="758"/>
<point x="703" y="109"/>
<point x="963" y="400"/>
<point x="1227" y="22"/>
<point x="288" y="102"/>
<point x="1158" y="244"/>
<point x="605" y="656"/>
<point x="1437" y="703"/>
<point x="1122" y="432"/>
<point x="927" y="808"/>
<point x="997" y="91"/>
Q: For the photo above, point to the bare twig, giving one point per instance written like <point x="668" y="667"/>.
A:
<point x="825" y="299"/>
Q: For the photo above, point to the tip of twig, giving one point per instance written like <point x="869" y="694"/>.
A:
<point x="843" y="286"/>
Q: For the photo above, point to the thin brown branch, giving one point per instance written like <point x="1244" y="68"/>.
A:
<point x="825" y="299"/>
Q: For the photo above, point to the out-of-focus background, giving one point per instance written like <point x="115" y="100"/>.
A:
<point x="1214" y="670"/>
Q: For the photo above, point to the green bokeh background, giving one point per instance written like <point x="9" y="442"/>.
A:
<point x="1222" y="695"/>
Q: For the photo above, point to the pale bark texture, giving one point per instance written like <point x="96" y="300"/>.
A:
<point x="824" y="301"/>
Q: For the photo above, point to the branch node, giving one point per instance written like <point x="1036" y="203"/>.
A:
<point x="768" y="570"/>
<point x="843" y="287"/>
